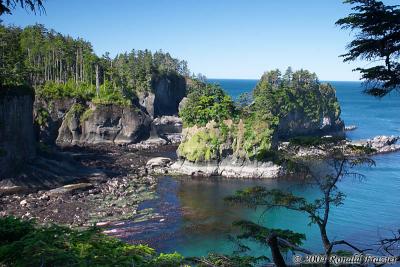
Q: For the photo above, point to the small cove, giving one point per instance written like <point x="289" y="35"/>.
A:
<point x="195" y="220"/>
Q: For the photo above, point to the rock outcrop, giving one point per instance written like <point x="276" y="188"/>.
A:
<point x="49" y="115"/>
<point x="229" y="167"/>
<point x="17" y="138"/>
<point x="313" y="117"/>
<point x="220" y="140"/>
<point x="213" y="151"/>
<point x="168" y="128"/>
<point x="167" y="92"/>
<point x="104" y="124"/>
<point x="380" y="144"/>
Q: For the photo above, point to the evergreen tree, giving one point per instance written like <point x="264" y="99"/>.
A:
<point x="377" y="39"/>
<point x="7" y="5"/>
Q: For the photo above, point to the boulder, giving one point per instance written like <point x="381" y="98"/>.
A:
<point x="167" y="127"/>
<point x="69" y="189"/>
<point x="158" y="162"/>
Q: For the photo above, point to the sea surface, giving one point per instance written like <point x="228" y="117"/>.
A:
<point x="195" y="220"/>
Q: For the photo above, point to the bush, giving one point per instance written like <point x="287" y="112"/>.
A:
<point x="53" y="90"/>
<point x="22" y="243"/>
<point x="85" y="92"/>
<point x="207" y="102"/>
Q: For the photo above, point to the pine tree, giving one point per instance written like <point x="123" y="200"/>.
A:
<point x="377" y="39"/>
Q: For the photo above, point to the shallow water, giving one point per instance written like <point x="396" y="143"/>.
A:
<point x="195" y="220"/>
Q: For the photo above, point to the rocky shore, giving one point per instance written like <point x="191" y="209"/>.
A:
<point x="228" y="167"/>
<point x="380" y="144"/>
<point x="101" y="200"/>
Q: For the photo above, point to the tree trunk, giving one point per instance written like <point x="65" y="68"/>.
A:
<point x="276" y="253"/>
<point x="324" y="237"/>
<point x="97" y="81"/>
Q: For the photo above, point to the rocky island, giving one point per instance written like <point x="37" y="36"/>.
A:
<point x="222" y="138"/>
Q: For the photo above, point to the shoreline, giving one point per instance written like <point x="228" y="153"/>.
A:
<point x="112" y="197"/>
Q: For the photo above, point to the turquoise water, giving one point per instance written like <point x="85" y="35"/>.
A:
<point x="196" y="220"/>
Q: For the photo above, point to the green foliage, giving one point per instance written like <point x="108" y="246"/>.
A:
<point x="13" y="229"/>
<point x="76" y="111"/>
<point x="42" y="115"/>
<point x="168" y="260"/>
<point x="86" y="115"/>
<point x="276" y="96"/>
<point x="24" y="244"/>
<point x="258" y="137"/>
<point x="377" y="38"/>
<point x="32" y="5"/>
<point x="53" y="90"/>
<point x="202" y="146"/>
<point x="260" y="233"/>
<point x="60" y="66"/>
<point x="256" y="120"/>
<point x="360" y="150"/>
<point x="109" y="96"/>
<point x="219" y="260"/>
<point x="207" y="102"/>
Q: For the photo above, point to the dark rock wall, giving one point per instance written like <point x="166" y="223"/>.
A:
<point x="52" y="113"/>
<point x="167" y="93"/>
<point x="17" y="137"/>
<point x="296" y="123"/>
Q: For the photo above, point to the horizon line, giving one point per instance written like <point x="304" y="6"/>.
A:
<point x="256" y="79"/>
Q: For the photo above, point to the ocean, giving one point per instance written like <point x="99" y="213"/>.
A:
<point x="198" y="221"/>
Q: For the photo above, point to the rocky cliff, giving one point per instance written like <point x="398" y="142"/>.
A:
<point x="222" y="140"/>
<point x="49" y="115"/>
<point x="104" y="124"/>
<point x="17" y="138"/>
<point x="72" y="121"/>
<point x="165" y="96"/>
<point x="319" y="115"/>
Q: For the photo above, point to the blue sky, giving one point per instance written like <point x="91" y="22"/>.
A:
<point x="219" y="38"/>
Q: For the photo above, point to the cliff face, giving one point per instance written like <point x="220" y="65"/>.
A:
<point x="282" y="108"/>
<point x="319" y="117"/>
<point x="104" y="124"/>
<point x="69" y="121"/>
<point x="49" y="116"/>
<point x="17" y="138"/>
<point x="167" y="93"/>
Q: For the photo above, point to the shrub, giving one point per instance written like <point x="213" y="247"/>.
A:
<point x="22" y="243"/>
<point x="54" y="90"/>
<point x="42" y="115"/>
<point x="207" y="102"/>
